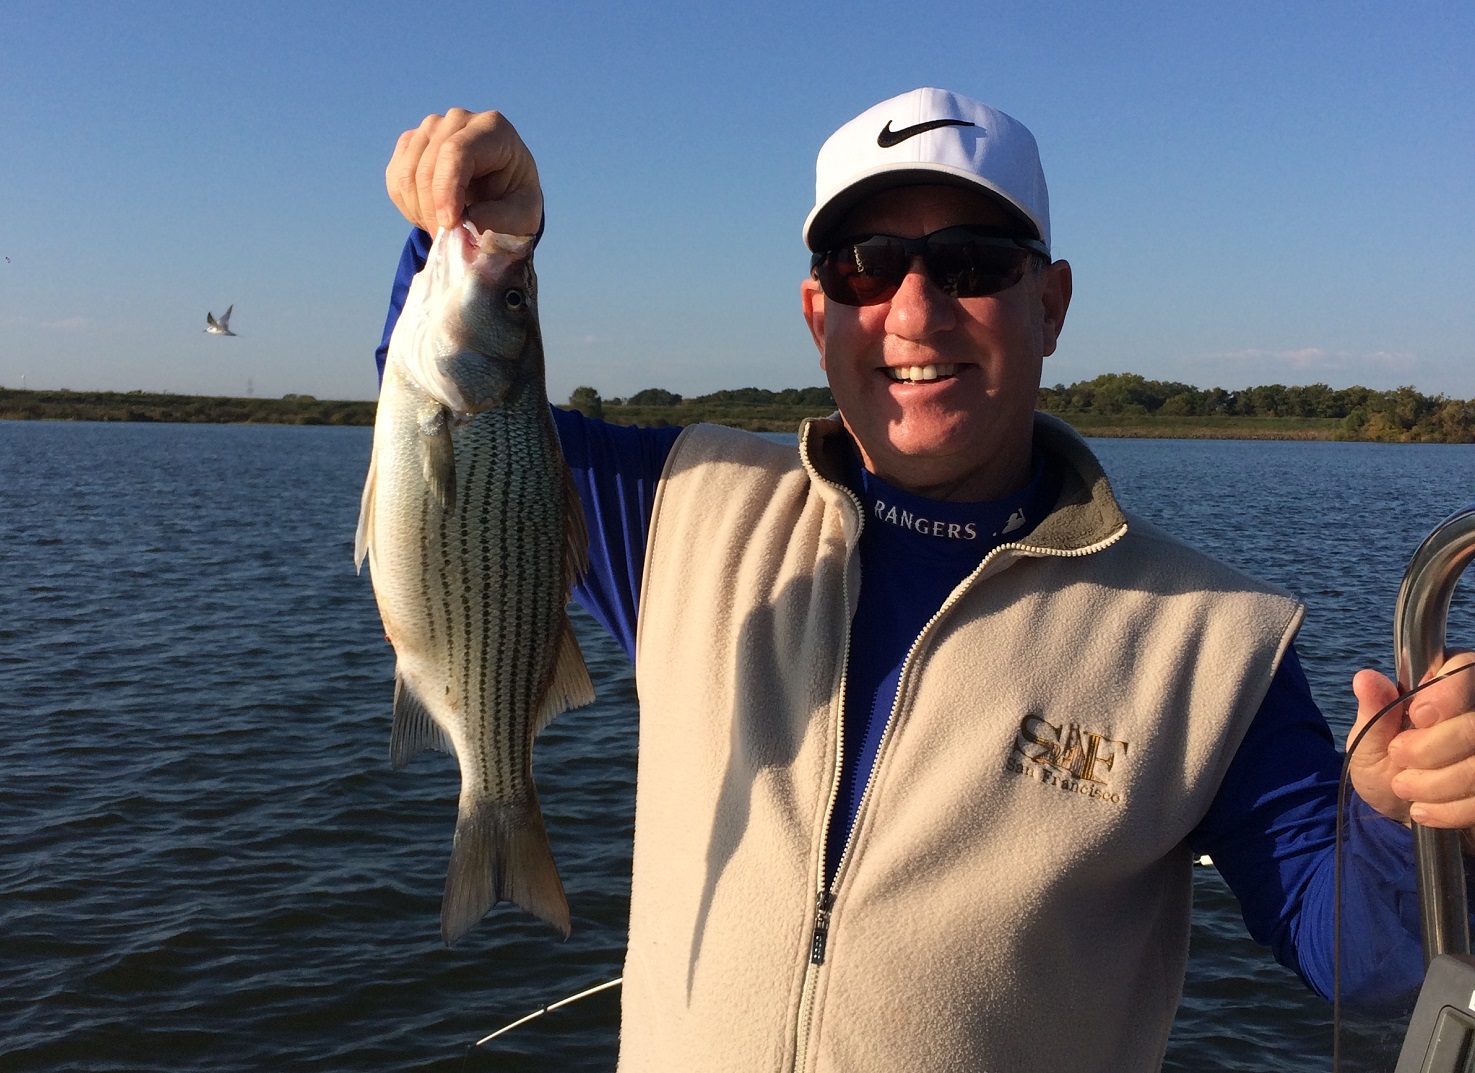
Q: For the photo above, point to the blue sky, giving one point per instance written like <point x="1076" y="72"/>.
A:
<point x="1249" y="193"/>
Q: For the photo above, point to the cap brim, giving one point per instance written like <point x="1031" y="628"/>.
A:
<point x="823" y="219"/>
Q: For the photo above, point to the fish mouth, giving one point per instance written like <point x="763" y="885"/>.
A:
<point x="474" y="242"/>
<point x="468" y="242"/>
<point x="918" y="374"/>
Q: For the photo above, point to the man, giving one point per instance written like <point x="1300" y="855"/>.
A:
<point x="930" y="728"/>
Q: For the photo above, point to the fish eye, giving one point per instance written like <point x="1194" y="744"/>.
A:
<point x="514" y="298"/>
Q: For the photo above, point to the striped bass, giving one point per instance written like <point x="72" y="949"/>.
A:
<point x="474" y="536"/>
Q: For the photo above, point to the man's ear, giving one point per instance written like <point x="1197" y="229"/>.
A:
<point x="813" y="300"/>
<point x="1055" y="291"/>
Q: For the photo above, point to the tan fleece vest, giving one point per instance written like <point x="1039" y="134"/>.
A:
<point x="1016" y="893"/>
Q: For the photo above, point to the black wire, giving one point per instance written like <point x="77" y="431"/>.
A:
<point x="1342" y="786"/>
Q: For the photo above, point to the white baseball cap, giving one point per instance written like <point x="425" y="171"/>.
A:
<point x="931" y="136"/>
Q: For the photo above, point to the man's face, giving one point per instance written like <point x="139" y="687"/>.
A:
<point x="964" y="435"/>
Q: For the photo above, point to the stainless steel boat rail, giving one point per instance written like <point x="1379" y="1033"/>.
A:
<point x="1418" y="641"/>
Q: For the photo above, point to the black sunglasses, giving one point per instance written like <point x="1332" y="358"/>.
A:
<point x="965" y="262"/>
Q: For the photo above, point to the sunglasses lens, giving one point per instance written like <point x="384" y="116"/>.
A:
<point x="969" y="266"/>
<point x="959" y="260"/>
<point x="864" y="273"/>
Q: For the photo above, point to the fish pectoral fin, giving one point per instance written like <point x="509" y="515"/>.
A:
<point x="568" y="682"/>
<point x="414" y="730"/>
<point x="361" y="536"/>
<point x="438" y="458"/>
<point x="575" y="534"/>
<point x="501" y="853"/>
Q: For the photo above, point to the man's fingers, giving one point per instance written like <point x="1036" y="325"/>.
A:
<point x="399" y="175"/>
<point x="1453" y="815"/>
<point x="1374" y="692"/>
<point x="1369" y="766"/>
<point x="485" y="171"/>
<point x="471" y="164"/>
<point x="1445" y="699"/>
<point x="431" y="166"/>
<point x="1438" y="785"/>
<point x="1449" y="741"/>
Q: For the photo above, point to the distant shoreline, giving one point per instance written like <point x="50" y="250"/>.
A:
<point x="148" y="407"/>
<point x="151" y="407"/>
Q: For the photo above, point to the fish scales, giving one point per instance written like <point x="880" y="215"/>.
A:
<point x="474" y="535"/>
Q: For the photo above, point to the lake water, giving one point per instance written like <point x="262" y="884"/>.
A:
<point x="206" y="862"/>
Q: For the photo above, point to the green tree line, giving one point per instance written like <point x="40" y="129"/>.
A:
<point x="1111" y="404"/>
<point x="1355" y="413"/>
<point x="755" y="408"/>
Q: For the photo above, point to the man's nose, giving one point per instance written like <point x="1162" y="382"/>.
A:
<point x="919" y="307"/>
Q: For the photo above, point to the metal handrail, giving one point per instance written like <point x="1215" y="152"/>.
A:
<point x="1418" y="641"/>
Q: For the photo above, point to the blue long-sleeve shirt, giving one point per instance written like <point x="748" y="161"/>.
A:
<point x="1271" y="827"/>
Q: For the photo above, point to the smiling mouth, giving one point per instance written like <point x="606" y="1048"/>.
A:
<point x="915" y="374"/>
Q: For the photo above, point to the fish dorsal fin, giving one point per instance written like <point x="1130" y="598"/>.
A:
<point x="575" y="534"/>
<point x="568" y="683"/>
<point x="414" y="730"/>
<point x="438" y="457"/>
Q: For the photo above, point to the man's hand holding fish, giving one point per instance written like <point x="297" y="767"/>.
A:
<point x="466" y="165"/>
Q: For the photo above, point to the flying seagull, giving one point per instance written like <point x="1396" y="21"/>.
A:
<point x="221" y="326"/>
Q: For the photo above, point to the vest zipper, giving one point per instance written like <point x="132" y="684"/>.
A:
<point x="823" y="901"/>
<point x="901" y="685"/>
<point x="824" y="895"/>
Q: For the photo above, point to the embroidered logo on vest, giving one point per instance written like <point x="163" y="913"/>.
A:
<point x="1067" y="757"/>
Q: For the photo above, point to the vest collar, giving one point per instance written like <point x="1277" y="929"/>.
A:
<point x="1086" y="515"/>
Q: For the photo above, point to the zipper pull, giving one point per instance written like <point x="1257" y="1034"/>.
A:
<point x="822" y="903"/>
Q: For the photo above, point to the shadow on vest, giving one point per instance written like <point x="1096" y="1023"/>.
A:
<point x="780" y="690"/>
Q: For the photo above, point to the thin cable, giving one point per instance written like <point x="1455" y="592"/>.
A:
<point x="1342" y="786"/>
<point x="539" y="1013"/>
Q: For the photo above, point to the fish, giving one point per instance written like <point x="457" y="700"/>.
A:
<point x="221" y="326"/>
<point x="474" y="535"/>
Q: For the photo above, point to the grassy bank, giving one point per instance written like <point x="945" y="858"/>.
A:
<point x="1207" y="428"/>
<point x="754" y="418"/>
<point x="759" y="418"/>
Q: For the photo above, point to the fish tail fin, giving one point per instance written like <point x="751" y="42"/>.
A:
<point x="501" y="853"/>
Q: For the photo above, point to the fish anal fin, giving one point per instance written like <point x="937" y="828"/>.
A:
<point x="438" y="458"/>
<point x="568" y="681"/>
<point x="414" y="730"/>
<point x="501" y="853"/>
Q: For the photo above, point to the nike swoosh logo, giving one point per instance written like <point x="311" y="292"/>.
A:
<point x="888" y="137"/>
